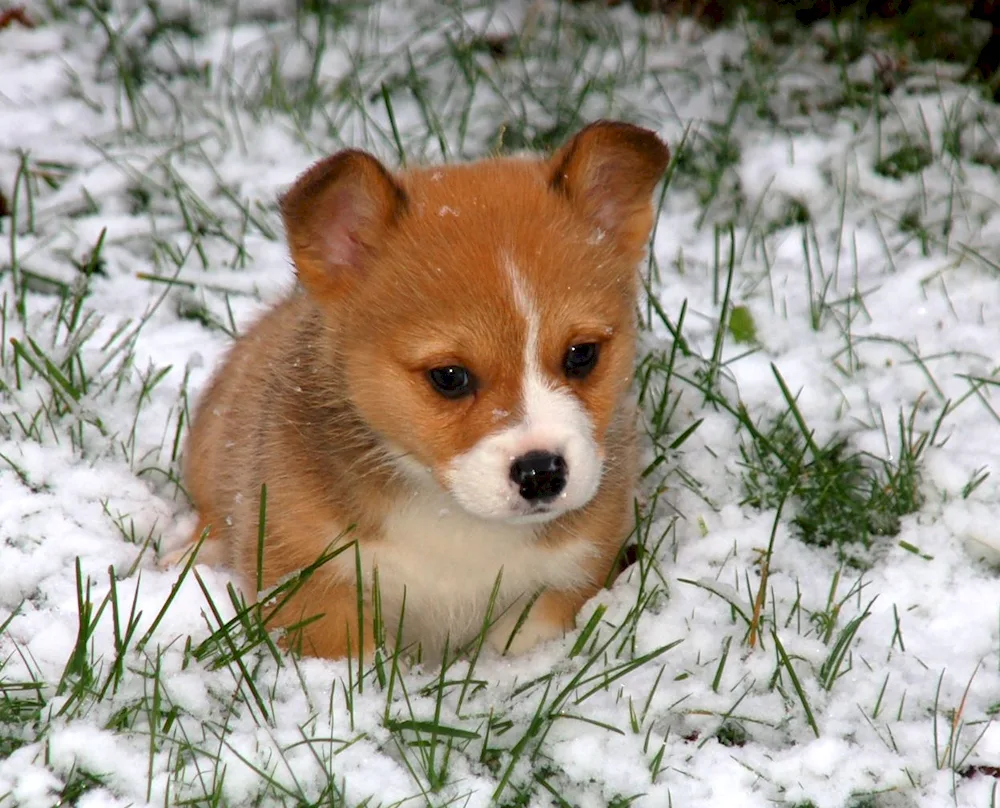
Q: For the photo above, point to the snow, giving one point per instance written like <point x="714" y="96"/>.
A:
<point x="910" y="325"/>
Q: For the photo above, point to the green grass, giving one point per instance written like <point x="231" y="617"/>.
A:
<point x="844" y="498"/>
<point x="903" y="161"/>
<point x="71" y="380"/>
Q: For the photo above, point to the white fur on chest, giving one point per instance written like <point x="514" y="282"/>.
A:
<point x="447" y="562"/>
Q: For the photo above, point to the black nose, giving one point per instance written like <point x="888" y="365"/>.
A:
<point x="539" y="475"/>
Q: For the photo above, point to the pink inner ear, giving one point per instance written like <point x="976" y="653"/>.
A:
<point x="608" y="213"/>
<point x="341" y="244"/>
<point x="345" y="217"/>
<point x="609" y="197"/>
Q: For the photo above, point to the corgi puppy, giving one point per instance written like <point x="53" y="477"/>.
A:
<point x="445" y="395"/>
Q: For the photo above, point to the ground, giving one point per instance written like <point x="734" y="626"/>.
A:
<point x="812" y="615"/>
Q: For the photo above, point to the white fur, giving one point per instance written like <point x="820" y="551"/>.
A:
<point x="554" y="421"/>
<point x="447" y="562"/>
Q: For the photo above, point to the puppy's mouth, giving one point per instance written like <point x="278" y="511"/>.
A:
<point x="495" y="484"/>
<point x="534" y="515"/>
<point x="513" y="509"/>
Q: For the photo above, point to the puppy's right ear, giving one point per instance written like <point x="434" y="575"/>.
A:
<point x="335" y="215"/>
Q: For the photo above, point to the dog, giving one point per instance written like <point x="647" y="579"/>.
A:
<point x="441" y="408"/>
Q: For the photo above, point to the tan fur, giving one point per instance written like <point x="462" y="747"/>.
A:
<point x="326" y="400"/>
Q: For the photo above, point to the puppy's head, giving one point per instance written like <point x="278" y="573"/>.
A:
<point x="485" y="312"/>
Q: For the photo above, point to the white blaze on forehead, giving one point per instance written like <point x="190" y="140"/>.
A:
<point x="552" y="420"/>
<point x="522" y="299"/>
<point x="544" y="405"/>
<point x="526" y="308"/>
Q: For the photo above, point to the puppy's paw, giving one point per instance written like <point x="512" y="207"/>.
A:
<point x="538" y="627"/>
<point x="174" y="557"/>
<point x="387" y="657"/>
<point x="211" y="553"/>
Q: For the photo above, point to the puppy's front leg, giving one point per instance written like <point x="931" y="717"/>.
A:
<point x="321" y="619"/>
<point x="550" y="616"/>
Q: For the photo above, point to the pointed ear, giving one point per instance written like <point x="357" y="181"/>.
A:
<point x="335" y="215"/>
<point x="608" y="171"/>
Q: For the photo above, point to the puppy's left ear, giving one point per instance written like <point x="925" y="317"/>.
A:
<point x="608" y="171"/>
<point x="336" y="217"/>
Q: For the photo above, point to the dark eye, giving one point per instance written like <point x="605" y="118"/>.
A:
<point x="580" y="359"/>
<point x="452" y="381"/>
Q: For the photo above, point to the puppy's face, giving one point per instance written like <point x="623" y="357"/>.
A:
<point x="487" y="314"/>
<point x="494" y="342"/>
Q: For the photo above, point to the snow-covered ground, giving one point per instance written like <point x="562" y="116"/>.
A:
<point x="142" y="148"/>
